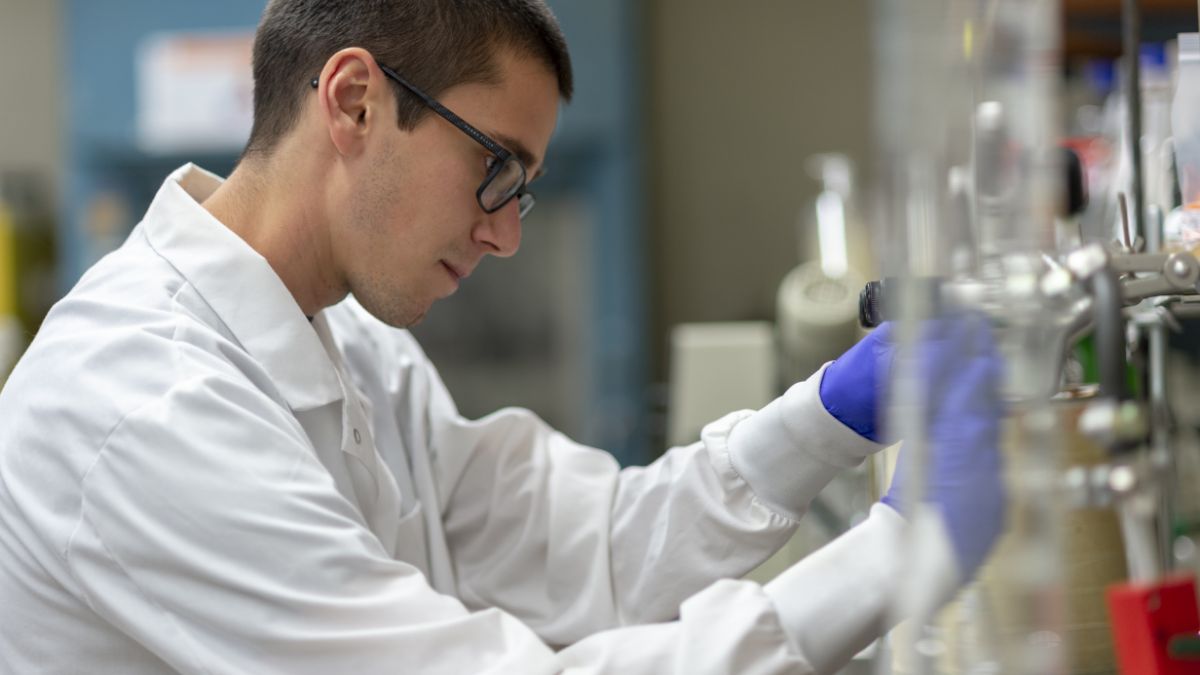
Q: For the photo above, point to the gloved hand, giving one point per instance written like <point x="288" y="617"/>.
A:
<point x="852" y="386"/>
<point x="960" y="372"/>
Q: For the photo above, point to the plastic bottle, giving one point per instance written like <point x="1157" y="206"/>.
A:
<point x="817" y="302"/>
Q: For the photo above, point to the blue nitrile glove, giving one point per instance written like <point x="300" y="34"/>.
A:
<point x="852" y="386"/>
<point x="961" y="371"/>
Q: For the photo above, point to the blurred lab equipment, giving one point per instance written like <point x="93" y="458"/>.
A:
<point x="10" y="327"/>
<point x="715" y="368"/>
<point x="815" y="310"/>
<point x="27" y="272"/>
<point x="983" y="210"/>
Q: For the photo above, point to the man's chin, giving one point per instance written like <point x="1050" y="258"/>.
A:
<point x="406" y="321"/>
<point x="396" y="315"/>
<point x="416" y="321"/>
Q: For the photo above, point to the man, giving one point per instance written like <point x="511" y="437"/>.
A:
<point x="223" y="453"/>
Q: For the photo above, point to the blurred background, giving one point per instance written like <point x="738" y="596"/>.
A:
<point x="682" y="196"/>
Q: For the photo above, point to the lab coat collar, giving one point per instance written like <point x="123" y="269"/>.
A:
<point x="242" y="288"/>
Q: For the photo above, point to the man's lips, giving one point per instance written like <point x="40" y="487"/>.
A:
<point x="457" y="272"/>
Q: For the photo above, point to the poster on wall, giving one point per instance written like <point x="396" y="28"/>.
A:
<point x="194" y="91"/>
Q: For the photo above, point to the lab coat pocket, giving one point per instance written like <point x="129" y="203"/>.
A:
<point x="409" y="542"/>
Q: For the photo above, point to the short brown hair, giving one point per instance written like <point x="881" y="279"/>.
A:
<point x="435" y="44"/>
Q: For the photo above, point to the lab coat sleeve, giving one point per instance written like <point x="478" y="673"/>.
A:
<point x="556" y="534"/>
<point x="211" y="534"/>
<point x="837" y="600"/>
<point x="788" y="451"/>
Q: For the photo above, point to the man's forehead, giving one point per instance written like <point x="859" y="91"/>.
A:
<point x="518" y="110"/>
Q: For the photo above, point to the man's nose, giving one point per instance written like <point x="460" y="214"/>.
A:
<point x="501" y="231"/>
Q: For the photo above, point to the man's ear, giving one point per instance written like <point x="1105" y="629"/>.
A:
<point x="349" y="91"/>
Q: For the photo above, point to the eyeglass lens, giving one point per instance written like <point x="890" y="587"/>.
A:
<point x="503" y="185"/>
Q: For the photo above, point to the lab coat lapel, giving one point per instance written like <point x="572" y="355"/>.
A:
<point x="242" y="289"/>
<point x="300" y="356"/>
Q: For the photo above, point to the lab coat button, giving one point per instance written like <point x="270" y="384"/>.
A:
<point x="357" y="437"/>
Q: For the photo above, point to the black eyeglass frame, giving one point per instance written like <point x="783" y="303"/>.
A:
<point x="503" y="156"/>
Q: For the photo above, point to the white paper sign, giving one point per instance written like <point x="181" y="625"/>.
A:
<point x="195" y="91"/>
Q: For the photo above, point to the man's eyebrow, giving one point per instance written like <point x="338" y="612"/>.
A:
<point x="517" y="148"/>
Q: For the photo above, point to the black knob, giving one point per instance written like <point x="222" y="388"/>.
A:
<point x="870" y="305"/>
<point x="1075" y="199"/>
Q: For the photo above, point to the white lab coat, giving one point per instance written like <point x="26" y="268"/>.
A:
<point x="195" y="478"/>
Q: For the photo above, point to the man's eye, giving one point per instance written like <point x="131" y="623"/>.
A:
<point x="489" y="162"/>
